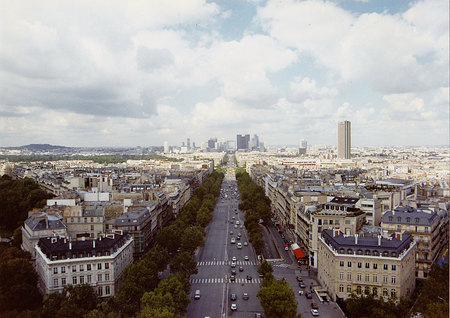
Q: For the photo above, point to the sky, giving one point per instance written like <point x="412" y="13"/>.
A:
<point x="138" y="73"/>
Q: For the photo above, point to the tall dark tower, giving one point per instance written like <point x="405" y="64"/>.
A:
<point x="344" y="139"/>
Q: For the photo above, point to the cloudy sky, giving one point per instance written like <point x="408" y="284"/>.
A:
<point x="128" y="73"/>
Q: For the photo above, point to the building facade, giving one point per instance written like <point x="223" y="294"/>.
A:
<point x="99" y="263"/>
<point x="381" y="266"/>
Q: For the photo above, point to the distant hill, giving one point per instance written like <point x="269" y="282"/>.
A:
<point x="40" y="147"/>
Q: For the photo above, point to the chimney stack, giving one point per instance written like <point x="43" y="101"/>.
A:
<point x="356" y="239"/>
<point x="93" y="243"/>
<point x="70" y="245"/>
<point x="379" y="240"/>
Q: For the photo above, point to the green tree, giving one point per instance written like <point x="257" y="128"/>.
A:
<point x="184" y="264"/>
<point x="192" y="238"/>
<point x="265" y="268"/>
<point x="158" y="255"/>
<point x="278" y="300"/>
<point x="169" y="238"/>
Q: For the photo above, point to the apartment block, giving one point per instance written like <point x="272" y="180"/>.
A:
<point x="429" y="227"/>
<point x="99" y="262"/>
<point x="381" y="266"/>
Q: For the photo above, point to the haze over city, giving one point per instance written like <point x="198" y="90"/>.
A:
<point x="127" y="73"/>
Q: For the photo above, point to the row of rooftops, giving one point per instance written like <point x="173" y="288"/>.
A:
<point x="388" y="246"/>
<point x="57" y="248"/>
<point x="412" y="216"/>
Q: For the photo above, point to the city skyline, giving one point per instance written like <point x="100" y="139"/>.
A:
<point x="93" y="73"/>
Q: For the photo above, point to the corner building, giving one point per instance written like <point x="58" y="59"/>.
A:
<point x="99" y="263"/>
<point x="381" y="266"/>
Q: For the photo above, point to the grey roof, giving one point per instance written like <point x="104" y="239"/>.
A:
<point x="344" y="200"/>
<point x="395" y="181"/>
<point x="133" y="217"/>
<point x="55" y="246"/>
<point x="416" y="216"/>
<point x="44" y="221"/>
<point x="367" y="245"/>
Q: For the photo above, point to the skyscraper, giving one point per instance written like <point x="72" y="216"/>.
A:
<point x="166" y="147"/>
<point x="242" y="141"/>
<point x="344" y="139"/>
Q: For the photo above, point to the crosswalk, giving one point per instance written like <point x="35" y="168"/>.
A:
<point x="282" y="265"/>
<point x="225" y="263"/>
<point x="223" y="280"/>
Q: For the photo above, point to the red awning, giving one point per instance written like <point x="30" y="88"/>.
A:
<point x="299" y="253"/>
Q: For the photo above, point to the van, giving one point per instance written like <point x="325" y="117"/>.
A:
<point x="239" y="245"/>
<point x="197" y="294"/>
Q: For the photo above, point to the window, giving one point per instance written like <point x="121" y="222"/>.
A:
<point x="391" y="219"/>
<point x="99" y="277"/>
<point x="74" y="268"/>
<point x="375" y="278"/>
<point x="394" y="267"/>
<point x="393" y="293"/>
<point x="399" y="219"/>
<point x="385" y="292"/>
<point x="375" y="291"/>
<point x="347" y="221"/>
<point x="349" y="264"/>
<point x="408" y="219"/>
<point x="359" y="264"/>
<point x="341" y="288"/>
<point x="367" y="265"/>
<point x="99" y="266"/>
<point x="55" y="270"/>
<point x="100" y="291"/>
<point x="55" y="282"/>
<point x="331" y="222"/>
<point x="393" y="279"/>
<point x="319" y="221"/>
<point x="106" y="265"/>
<point x="85" y="220"/>
<point x="63" y="269"/>
<point x="367" y="290"/>
<point x="358" y="277"/>
<point x="426" y="229"/>
<point x="385" y="279"/>
<point x="63" y="281"/>
<point x="74" y="280"/>
<point x="81" y="267"/>
<point x="89" y="278"/>
<point x="341" y="275"/>
<point x="341" y="263"/>
<point x="349" y="276"/>
<point x="88" y="267"/>
<point x="81" y="279"/>
<point x="349" y="288"/>
<point x="358" y="290"/>
<point x="375" y="266"/>
<point x="106" y="277"/>
<point x="385" y="267"/>
<point x="417" y="220"/>
<point x="92" y="227"/>
<point x="367" y="277"/>
<point x="107" y="290"/>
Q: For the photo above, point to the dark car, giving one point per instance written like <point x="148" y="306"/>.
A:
<point x="258" y="315"/>
<point x="302" y="285"/>
<point x="233" y="272"/>
<point x="245" y="296"/>
<point x="233" y="297"/>
<point x="299" y="279"/>
<point x="308" y="295"/>
<point x="241" y="269"/>
<point x="249" y="277"/>
<point x="232" y="278"/>
<point x="314" y="306"/>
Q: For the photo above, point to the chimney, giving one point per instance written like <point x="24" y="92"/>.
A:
<point x="393" y="212"/>
<point x="93" y="243"/>
<point x="379" y="240"/>
<point x="70" y="245"/>
<point x="356" y="239"/>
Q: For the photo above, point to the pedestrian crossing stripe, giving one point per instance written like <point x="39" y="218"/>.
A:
<point x="225" y="263"/>
<point x="223" y="280"/>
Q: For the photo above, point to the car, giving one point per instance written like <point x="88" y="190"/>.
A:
<point x="197" y="294"/>
<point x="302" y="285"/>
<point x="239" y="234"/>
<point x="233" y="217"/>
<point x="235" y="226"/>
<point x="245" y="243"/>
<point x="233" y="272"/>
<point x="314" y="306"/>
<point x="286" y="248"/>
<point x="314" y="312"/>
<point x="232" y="278"/>
<point x="246" y="257"/>
<point x="233" y="307"/>
<point x="299" y="279"/>
<point x="238" y="238"/>
<point x="234" y="259"/>
<point x="241" y="226"/>
<point x="233" y="240"/>
<point x="239" y="245"/>
<point x="241" y="269"/>
<point x="308" y="295"/>
<point x="233" y="264"/>
<point x="249" y="277"/>
<point x="231" y="232"/>
<point x="258" y="315"/>
<point x="233" y="297"/>
<point x="245" y="296"/>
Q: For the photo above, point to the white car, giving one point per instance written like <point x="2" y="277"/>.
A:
<point x="246" y="257"/>
<point x="245" y="243"/>
<point x="234" y="259"/>
<point x="314" y="312"/>
<point x="233" y="307"/>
